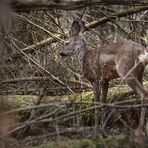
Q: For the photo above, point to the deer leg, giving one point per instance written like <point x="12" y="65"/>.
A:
<point x="143" y="112"/>
<point x="140" y="76"/>
<point x="105" y="85"/>
<point x="138" y="87"/>
<point x="139" y="131"/>
<point x="96" y="89"/>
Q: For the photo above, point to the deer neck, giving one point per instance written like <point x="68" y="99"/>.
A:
<point x="80" y="54"/>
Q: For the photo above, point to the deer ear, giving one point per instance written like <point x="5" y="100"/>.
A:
<point x="82" y="26"/>
<point x="75" y="28"/>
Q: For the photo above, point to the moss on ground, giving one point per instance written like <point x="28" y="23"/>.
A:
<point x="115" y="94"/>
<point x="69" y="144"/>
<point x="120" y="92"/>
<point x="122" y="141"/>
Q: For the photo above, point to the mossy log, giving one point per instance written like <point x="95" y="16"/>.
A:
<point x="120" y="92"/>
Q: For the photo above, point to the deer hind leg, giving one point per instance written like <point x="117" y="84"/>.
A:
<point x="139" y="131"/>
<point x="135" y="82"/>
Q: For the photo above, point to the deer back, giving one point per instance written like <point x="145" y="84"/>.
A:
<point x="102" y="63"/>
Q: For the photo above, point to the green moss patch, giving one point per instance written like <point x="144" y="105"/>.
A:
<point x="118" y="141"/>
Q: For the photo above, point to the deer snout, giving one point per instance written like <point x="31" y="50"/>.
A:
<point x="62" y="54"/>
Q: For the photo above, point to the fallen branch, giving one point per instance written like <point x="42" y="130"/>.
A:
<point x="44" y="79"/>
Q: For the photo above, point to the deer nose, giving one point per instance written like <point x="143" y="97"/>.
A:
<point x="62" y="54"/>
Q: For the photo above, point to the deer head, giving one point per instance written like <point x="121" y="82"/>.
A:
<point x="76" y="44"/>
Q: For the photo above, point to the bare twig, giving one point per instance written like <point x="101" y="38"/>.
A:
<point x="44" y="79"/>
<point x="56" y="105"/>
<point x="40" y="27"/>
<point x="92" y="24"/>
<point x="30" y="122"/>
<point x="67" y="103"/>
<point x="106" y="120"/>
<point x="42" y="68"/>
<point x="71" y="114"/>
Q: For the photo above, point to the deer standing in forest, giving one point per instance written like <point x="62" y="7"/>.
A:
<point x="109" y="62"/>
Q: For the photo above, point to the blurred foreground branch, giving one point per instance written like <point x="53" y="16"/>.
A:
<point x="32" y="5"/>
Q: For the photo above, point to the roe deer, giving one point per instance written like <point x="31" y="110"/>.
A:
<point x="107" y="63"/>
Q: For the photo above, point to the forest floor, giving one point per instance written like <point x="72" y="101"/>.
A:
<point x="115" y="135"/>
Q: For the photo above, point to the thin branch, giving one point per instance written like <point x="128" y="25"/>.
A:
<point x="42" y="68"/>
<point x="92" y="24"/>
<point x="30" y="122"/>
<point x="40" y="27"/>
<point x="114" y="22"/>
<point x="71" y="114"/>
<point x="106" y="120"/>
<point x="56" y="105"/>
<point x="67" y="103"/>
<point x="44" y="79"/>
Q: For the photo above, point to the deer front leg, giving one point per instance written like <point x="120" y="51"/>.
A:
<point x="96" y="90"/>
<point x="105" y="85"/>
<point x="140" y="130"/>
